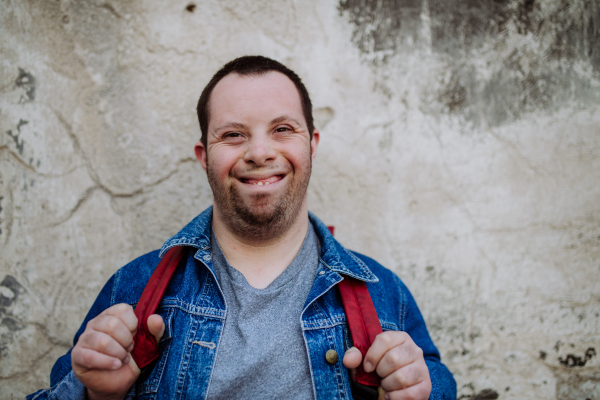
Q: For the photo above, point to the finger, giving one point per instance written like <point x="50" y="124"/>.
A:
<point x="420" y="391"/>
<point x="381" y="345"/>
<point x="114" y="327"/>
<point x="398" y="357"/>
<point x="156" y="326"/>
<point x="352" y="358"/>
<point x="125" y="313"/>
<point x="83" y="358"/>
<point x="102" y="343"/>
<point x="405" y="377"/>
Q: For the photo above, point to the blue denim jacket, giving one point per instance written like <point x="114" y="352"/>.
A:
<point x="194" y="312"/>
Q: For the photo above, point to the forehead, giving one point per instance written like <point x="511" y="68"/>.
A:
<point x="254" y="96"/>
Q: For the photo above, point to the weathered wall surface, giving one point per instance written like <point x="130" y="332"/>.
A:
<point x="460" y="147"/>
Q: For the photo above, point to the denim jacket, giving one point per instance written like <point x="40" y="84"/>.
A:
<point x="194" y="312"/>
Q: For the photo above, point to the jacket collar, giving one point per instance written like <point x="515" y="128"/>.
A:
<point x="333" y="255"/>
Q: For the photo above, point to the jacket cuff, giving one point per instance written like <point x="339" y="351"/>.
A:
<point x="67" y="389"/>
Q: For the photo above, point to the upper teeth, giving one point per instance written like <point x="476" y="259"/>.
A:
<point x="260" y="183"/>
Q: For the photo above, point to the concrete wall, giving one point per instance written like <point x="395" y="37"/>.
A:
<point x="460" y="147"/>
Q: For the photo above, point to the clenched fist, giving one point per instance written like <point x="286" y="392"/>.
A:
<point x="400" y="364"/>
<point x="101" y="359"/>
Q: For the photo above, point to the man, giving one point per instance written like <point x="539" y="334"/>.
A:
<point x="253" y="311"/>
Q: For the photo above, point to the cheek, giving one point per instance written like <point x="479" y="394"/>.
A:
<point x="300" y="159"/>
<point x="221" y="163"/>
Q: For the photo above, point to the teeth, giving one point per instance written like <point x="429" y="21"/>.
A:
<point x="260" y="183"/>
<point x="267" y="183"/>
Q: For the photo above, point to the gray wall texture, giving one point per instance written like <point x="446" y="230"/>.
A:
<point x="460" y="147"/>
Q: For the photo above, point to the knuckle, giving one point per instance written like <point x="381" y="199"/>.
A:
<point x="103" y="342"/>
<point x="122" y="308"/>
<point x="385" y="338"/>
<point x="399" y="380"/>
<point x="395" y="356"/>
<point x="418" y="352"/>
<point x="112" y="323"/>
<point x="411" y="395"/>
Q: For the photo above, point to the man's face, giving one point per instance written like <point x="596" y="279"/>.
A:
<point x="259" y="152"/>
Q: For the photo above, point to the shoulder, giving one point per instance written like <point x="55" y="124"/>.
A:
<point x="129" y="282"/>
<point x="379" y="270"/>
<point x="389" y="294"/>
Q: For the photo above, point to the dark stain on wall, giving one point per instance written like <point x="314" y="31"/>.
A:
<point x="10" y="291"/>
<point x="19" y="143"/>
<point x="485" y="394"/>
<point x="26" y="81"/>
<point x="384" y="24"/>
<point x="572" y="360"/>
<point x="9" y="282"/>
<point x="537" y="74"/>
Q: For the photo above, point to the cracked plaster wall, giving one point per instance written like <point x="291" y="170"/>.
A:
<point x="460" y="147"/>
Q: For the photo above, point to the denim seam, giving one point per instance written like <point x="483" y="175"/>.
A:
<point x="336" y="367"/>
<point x="310" y="367"/>
<point x="115" y="285"/>
<point x="196" y="243"/>
<point x="212" y="369"/>
<point x="315" y="328"/>
<point x="192" y="309"/>
<point x="206" y="285"/>
<point x="185" y="359"/>
<point x="402" y="316"/>
<point x="372" y="277"/>
<point x="53" y="388"/>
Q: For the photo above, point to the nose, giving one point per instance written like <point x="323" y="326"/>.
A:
<point x="260" y="150"/>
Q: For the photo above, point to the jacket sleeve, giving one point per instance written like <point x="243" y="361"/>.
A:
<point x="443" y="386"/>
<point x="64" y="385"/>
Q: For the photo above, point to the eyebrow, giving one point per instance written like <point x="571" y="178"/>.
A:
<point x="285" y="118"/>
<point x="237" y="125"/>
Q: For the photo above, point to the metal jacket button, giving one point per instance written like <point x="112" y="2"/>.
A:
<point x="331" y="356"/>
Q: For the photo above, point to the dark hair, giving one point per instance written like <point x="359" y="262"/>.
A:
<point x="252" y="65"/>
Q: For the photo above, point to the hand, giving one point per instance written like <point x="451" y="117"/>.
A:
<point x="400" y="364"/>
<point x="101" y="359"/>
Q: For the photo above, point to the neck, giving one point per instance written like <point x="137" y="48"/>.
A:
<point x="263" y="259"/>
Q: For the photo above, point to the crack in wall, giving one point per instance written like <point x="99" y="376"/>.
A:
<point x="94" y="175"/>
<point x="30" y="168"/>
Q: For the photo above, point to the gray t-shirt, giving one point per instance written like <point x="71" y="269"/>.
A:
<point x="262" y="354"/>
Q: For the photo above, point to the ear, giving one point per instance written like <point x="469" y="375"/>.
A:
<point x="200" y="152"/>
<point x="314" y="143"/>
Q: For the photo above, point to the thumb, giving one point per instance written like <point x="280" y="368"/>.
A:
<point x="156" y="326"/>
<point x="352" y="358"/>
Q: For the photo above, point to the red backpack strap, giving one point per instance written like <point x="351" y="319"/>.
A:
<point x="145" y="348"/>
<point x="363" y="322"/>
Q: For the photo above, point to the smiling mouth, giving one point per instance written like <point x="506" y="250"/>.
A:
<point x="262" y="182"/>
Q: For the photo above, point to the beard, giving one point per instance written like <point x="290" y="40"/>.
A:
<point x="261" y="216"/>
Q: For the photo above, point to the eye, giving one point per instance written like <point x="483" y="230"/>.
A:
<point x="232" y="135"/>
<point x="283" y="129"/>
